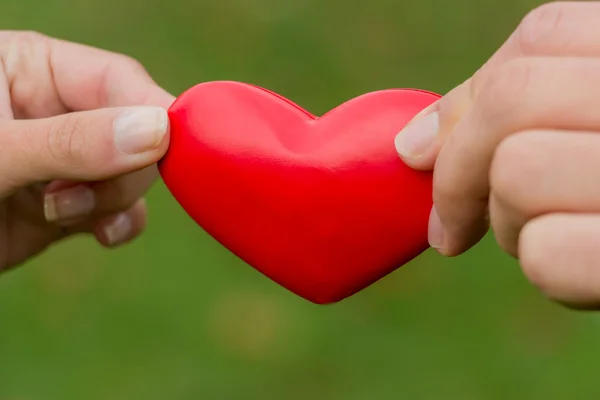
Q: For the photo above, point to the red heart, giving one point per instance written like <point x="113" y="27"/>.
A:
<point x="322" y="206"/>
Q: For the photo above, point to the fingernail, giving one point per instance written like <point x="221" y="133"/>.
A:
<point x="140" y="129"/>
<point x="69" y="203"/>
<point x="435" y="230"/>
<point x="118" y="230"/>
<point x="414" y="140"/>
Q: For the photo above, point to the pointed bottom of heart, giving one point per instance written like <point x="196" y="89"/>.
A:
<point x="324" y="293"/>
<point x="322" y="206"/>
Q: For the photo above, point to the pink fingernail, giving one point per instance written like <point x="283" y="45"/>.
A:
<point x="435" y="230"/>
<point x="118" y="230"/>
<point x="69" y="203"/>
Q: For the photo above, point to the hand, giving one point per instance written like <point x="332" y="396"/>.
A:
<point x="520" y="142"/>
<point x="80" y="132"/>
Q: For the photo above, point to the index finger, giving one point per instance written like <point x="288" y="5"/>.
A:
<point x="88" y="78"/>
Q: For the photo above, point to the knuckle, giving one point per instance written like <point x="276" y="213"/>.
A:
<point x="21" y="45"/>
<point x="6" y="37"/>
<point x="477" y="82"/>
<point x="505" y="86"/>
<point x="22" y="54"/>
<point x="515" y="167"/>
<point x="128" y="62"/>
<point x="505" y="169"/>
<point x="117" y="65"/>
<point x="65" y="140"/>
<point x="28" y="37"/>
<point x="542" y="28"/>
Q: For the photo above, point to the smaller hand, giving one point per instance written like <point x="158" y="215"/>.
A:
<point x="519" y="142"/>
<point x="80" y="132"/>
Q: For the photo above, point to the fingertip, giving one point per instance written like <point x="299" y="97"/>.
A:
<point x="416" y="142"/>
<point x="138" y="130"/>
<point x="141" y="136"/>
<point x="459" y="236"/>
<point x="123" y="227"/>
<point x="423" y="162"/>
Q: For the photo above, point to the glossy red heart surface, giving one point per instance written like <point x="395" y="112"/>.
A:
<point x="321" y="205"/>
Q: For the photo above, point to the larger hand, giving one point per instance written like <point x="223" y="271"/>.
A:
<point x="521" y="139"/>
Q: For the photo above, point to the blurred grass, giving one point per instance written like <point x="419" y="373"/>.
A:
<point x="175" y="316"/>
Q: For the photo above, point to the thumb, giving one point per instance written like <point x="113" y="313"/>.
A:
<point x="90" y="145"/>
<point x="419" y="143"/>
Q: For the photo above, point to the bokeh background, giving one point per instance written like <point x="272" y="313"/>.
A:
<point x="176" y="316"/>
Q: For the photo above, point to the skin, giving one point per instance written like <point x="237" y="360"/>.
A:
<point x="516" y="147"/>
<point x="60" y="110"/>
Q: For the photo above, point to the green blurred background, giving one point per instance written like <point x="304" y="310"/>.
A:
<point x="176" y="316"/>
